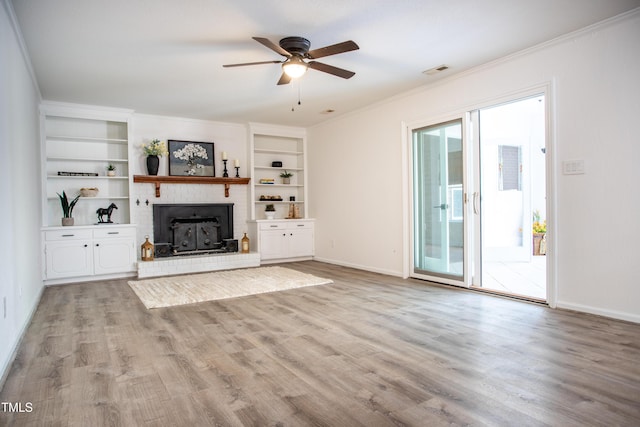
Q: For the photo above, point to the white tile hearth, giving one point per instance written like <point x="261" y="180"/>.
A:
<point x="196" y="264"/>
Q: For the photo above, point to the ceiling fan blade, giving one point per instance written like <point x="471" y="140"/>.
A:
<point x="340" y="72"/>
<point x="274" y="47"/>
<point x="284" y="79"/>
<point x="334" y="49"/>
<point x="252" y="63"/>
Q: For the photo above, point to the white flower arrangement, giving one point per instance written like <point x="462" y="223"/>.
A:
<point x="155" y="148"/>
<point x="191" y="153"/>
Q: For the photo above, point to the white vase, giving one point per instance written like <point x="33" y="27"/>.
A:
<point x="270" y="214"/>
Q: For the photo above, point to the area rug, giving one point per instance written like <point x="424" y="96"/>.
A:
<point x="192" y="288"/>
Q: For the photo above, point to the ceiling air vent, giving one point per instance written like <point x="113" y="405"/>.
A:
<point x="435" y="70"/>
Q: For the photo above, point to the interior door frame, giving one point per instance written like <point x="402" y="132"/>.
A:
<point x="549" y="90"/>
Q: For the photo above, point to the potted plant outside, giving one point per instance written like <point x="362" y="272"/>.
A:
<point x="539" y="229"/>
<point x="67" y="208"/>
<point x="270" y="211"/>
<point x="111" y="170"/>
<point x="286" y="177"/>
<point x="153" y="151"/>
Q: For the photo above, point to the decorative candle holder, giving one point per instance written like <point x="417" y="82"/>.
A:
<point x="237" y="171"/>
<point x="225" y="172"/>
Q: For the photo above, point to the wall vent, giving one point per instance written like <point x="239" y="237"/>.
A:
<point x="435" y="70"/>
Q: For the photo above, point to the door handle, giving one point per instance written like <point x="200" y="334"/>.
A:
<point x="476" y="209"/>
<point x="442" y="206"/>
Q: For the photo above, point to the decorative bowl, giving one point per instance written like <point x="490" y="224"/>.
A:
<point x="89" y="192"/>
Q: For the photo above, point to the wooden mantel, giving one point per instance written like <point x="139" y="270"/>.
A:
<point x="157" y="180"/>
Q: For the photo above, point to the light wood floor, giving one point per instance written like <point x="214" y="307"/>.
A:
<point x="368" y="350"/>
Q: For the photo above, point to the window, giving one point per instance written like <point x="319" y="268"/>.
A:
<point x="510" y="164"/>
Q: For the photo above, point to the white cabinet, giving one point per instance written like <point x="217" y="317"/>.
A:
<point x="87" y="253"/>
<point x="286" y="146"/>
<point x="68" y="253"/>
<point x="283" y="240"/>
<point x="78" y="143"/>
<point x="114" y="250"/>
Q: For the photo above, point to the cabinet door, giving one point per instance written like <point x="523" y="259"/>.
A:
<point x="114" y="256"/>
<point x="273" y="244"/>
<point x="300" y="242"/>
<point x="71" y="258"/>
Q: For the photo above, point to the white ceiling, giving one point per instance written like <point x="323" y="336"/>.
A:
<point x="165" y="56"/>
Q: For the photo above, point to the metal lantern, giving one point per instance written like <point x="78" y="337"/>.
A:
<point x="245" y="244"/>
<point x="147" y="250"/>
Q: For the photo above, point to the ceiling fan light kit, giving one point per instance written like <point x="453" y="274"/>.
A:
<point x="296" y="50"/>
<point x="294" y="67"/>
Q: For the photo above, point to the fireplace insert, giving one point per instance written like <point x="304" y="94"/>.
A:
<point x="187" y="229"/>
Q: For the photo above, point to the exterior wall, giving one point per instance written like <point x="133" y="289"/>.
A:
<point x="358" y="167"/>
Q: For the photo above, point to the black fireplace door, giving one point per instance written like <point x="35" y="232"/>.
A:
<point x="184" y="236"/>
<point x="208" y="235"/>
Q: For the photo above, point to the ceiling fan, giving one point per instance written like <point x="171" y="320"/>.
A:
<point x="296" y="50"/>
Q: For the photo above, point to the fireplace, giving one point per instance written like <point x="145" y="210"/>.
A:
<point x="189" y="229"/>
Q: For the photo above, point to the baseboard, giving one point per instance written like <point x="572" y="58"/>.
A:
<point x="68" y="280"/>
<point x="4" y="373"/>
<point x="619" y="315"/>
<point x="359" y="267"/>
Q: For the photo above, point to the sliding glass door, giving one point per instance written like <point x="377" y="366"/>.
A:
<point x="438" y="202"/>
<point x="478" y="198"/>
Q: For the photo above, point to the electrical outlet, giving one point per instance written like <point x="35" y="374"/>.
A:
<point x="573" y="167"/>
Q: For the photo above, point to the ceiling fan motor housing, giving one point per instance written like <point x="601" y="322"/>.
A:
<point x="295" y="45"/>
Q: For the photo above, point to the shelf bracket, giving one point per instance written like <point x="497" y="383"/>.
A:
<point x="226" y="190"/>
<point x="157" y="189"/>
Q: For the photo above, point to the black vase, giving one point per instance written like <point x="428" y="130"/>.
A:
<point x="152" y="165"/>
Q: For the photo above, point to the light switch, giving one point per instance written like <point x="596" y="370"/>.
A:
<point x="573" y="167"/>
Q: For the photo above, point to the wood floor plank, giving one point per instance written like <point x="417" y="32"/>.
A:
<point x="367" y="349"/>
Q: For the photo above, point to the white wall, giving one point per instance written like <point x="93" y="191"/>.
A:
<point x="356" y="166"/>
<point x="228" y="137"/>
<point x="21" y="284"/>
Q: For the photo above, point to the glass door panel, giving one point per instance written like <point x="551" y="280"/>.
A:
<point x="511" y="171"/>
<point x="438" y="220"/>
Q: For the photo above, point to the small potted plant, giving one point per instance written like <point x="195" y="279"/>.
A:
<point x="286" y="177"/>
<point x="270" y="211"/>
<point x="111" y="170"/>
<point x="67" y="208"/>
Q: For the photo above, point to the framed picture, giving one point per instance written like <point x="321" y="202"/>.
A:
<point x="189" y="158"/>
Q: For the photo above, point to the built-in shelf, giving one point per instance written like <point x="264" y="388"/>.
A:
<point x="84" y="178"/>
<point x="78" y="140"/>
<point x="286" y="146"/>
<point x="157" y="180"/>
<point x="265" y="151"/>
<point x="86" y="159"/>
<point x="87" y="139"/>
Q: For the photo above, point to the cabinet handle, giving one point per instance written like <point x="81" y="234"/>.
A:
<point x="273" y="226"/>
<point x="86" y="246"/>
<point x="300" y="225"/>
<point x="113" y="232"/>
<point x="97" y="244"/>
<point x="68" y="235"/>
